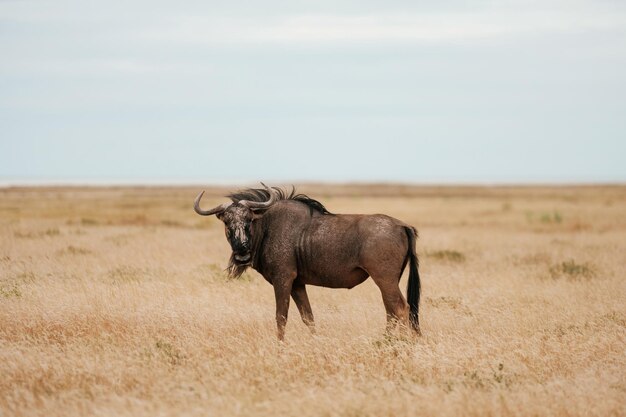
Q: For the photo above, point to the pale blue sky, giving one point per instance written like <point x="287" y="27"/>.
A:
<point x="505" y="91"/>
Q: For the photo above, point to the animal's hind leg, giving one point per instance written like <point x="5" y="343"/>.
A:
<point x="299" y="295"/>
<point x="384" y="259"/>
<point x="396" y="306"/>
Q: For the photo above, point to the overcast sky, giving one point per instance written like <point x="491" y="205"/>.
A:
<point x="435" y="91"/>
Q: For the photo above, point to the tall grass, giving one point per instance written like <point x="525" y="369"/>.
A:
<point x="115" y="302"/>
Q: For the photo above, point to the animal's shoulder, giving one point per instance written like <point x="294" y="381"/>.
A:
<point x="292" y="207"/>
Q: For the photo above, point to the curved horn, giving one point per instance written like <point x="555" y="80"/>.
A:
<point x="255" y="205"/>
<point x="215" y="210"/>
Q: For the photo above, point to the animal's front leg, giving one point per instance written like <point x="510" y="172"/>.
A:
<point x="282" y="291"/>
<point x="299" y="295"/>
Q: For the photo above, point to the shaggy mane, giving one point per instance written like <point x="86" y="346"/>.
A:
<point x="234" y="269"/>
<point x="260" y="195"/>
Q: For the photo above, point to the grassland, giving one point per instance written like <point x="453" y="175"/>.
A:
<point x="113" y="301"/>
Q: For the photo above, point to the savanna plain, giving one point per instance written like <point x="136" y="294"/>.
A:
<point x="114" y="301"/>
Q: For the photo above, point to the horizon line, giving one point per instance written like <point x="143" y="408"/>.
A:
<point x="160" y="182"/>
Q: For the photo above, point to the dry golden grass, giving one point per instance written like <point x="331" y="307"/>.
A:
<point x="113" y="301"/>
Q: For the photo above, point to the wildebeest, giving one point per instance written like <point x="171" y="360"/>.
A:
<point x="293" y="241"/>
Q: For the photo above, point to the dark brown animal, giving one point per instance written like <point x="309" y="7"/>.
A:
<point x="293" y="241"/>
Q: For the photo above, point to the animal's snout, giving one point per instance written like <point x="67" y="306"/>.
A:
<point x="239" y="242"/>
<point x="242" y="257"/>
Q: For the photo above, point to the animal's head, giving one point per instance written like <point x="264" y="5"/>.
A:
<point x="237" y="218"/>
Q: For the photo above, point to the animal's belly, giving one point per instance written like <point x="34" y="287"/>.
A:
<point x="329" y="256"/>
<point x="335" y="279"/>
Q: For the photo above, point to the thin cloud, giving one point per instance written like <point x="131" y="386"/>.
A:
<point x="430" y="27"/>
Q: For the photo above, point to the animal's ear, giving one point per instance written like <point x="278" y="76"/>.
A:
<point x="220" y="215"/>
<point x="256" y="215"/>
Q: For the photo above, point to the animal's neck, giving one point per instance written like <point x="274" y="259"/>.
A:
<point x="257" y="231"/>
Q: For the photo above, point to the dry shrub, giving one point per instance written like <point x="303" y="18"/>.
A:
<point x="447" y="255"/>
<point x="34" y="235"/>
<point x="572" y="270"/>
<point x="8" y="290"/>
<point x="74" y="250"/>
<point x="125" y="273"/>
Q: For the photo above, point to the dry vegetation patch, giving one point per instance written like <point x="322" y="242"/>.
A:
<point x="572" y="270"/>
<point x="447" y="255"/>
<point x="74" y="250"/>
<point x="114" y="301"/>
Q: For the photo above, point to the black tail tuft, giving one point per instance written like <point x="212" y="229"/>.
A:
<point x="413" y="287"/>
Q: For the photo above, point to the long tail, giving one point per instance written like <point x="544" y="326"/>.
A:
<point x="413" y="287"/>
